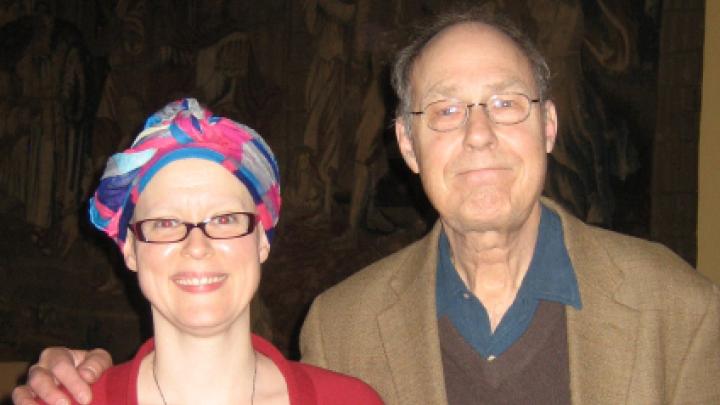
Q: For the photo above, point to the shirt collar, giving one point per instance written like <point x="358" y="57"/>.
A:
<point x="550" y="276"/>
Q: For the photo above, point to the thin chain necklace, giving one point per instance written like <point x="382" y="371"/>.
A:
<point x="157" y="384"/>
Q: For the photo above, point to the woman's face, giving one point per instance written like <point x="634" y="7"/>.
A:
<point x="199" y="285"/>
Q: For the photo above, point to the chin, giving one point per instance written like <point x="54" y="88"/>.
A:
<point x="483" y="224"/>
<point x="203" y="328"/>
<point x="486" y="207"/>
<point x="206" y="320"/>
<point x="480" y="218"/>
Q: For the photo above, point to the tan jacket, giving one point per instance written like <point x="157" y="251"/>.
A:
<point x="648" y="332"/>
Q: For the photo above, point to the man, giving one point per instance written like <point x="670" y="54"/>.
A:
<point x="508" y="299"/>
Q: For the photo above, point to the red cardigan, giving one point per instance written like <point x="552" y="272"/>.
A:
<point x="306" y="384"/>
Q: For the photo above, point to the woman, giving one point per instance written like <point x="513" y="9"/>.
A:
<point x="188" y="170"/>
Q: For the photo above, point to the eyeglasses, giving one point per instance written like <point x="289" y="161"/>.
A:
<point x="503" y="109"/>
<point x="168" y="230"/>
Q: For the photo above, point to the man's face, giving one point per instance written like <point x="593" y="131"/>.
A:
<point x="482" y="176"/>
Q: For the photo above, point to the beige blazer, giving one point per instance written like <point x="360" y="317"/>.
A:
<point x="648" y="332"/>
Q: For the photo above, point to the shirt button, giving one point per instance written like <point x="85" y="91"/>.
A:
<point x="466" y="296"/>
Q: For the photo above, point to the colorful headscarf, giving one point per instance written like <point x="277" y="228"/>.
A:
<point x="182" y="130"/>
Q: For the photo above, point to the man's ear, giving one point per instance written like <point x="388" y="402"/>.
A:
<point x="263" y="244"/>
<point x="551" y="125"/>
<point x="128" y="251"/>
<point x="405" y="144"/>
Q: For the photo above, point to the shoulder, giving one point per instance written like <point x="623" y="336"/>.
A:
<point x="371" y="286"/>
<point x="647" y="274"/>
<point x="113" y="384"/>
<point x="118" y="385"/>
<point x="313" y="385"/>
<point x="334" y="388"/>
<point x="110" y="388"/>
<point x="657" y="274"/>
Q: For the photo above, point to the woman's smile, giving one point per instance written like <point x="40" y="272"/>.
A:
<point x="199" y="282"/>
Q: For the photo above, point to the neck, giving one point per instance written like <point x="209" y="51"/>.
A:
<point x="193" y="369"/>
<point x="493" y="263"/>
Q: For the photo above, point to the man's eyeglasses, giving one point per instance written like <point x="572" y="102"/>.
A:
<point x="168" y="230"/>
<point x="503" y="109"/>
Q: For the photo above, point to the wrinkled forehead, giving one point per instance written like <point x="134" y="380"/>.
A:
<point x="471" y="51"/>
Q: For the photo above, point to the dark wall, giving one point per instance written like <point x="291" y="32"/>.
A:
<point x="77" y="79"/>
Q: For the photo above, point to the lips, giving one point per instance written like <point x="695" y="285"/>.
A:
<point x="199" y="282"/>
<point x="480" y="168"/>
<point x="481" y="173"/>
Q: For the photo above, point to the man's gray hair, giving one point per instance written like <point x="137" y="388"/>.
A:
<point x="406" y="57"/>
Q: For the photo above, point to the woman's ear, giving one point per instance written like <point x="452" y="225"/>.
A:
<point x="128" y="251"/>
<point x="263" y="243"/>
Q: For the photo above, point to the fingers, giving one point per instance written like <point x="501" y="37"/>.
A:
<point x="92" y="364"/>
<point x="57" y="366"/>
<point x="22" y="395"/>
<point x="61" y="367"/>
<point x="41" y="384"/>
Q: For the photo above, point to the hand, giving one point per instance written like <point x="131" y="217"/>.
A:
<point x="58" y="366"/>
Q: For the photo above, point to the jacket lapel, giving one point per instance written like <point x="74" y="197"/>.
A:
<point x="409" y="328"/>
<point x="602" y="335"/>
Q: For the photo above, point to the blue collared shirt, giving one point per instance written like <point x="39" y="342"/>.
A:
<point x="550" y="277"/>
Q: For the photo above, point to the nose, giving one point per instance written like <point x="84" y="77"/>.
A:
<point x="479" y="129"/>
<point x="197" y="245"/>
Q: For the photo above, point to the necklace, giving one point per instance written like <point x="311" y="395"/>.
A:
<point x="157" y="384"/>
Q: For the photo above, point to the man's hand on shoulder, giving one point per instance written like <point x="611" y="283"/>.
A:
<point x="58" y="366"/>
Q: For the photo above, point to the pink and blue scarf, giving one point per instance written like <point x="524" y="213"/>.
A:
<point x="184" y="129"/>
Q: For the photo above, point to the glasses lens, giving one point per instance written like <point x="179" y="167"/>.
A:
<point x="163" y="230"/>
<point x="508" y="108"/>
<point x="445" y="115"/>
<point x="228" y="225"/>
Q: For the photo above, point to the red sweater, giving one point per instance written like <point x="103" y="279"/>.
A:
<point x="306" y="384"/>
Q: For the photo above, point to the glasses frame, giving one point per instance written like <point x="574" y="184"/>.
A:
<point x="484" y="105"/>
<point x="136" y="227"/>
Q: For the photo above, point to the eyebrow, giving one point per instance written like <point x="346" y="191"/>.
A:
<point x="447" y="90"/>
<point x="511" y="82"/>
<point x="439" y="90"/>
